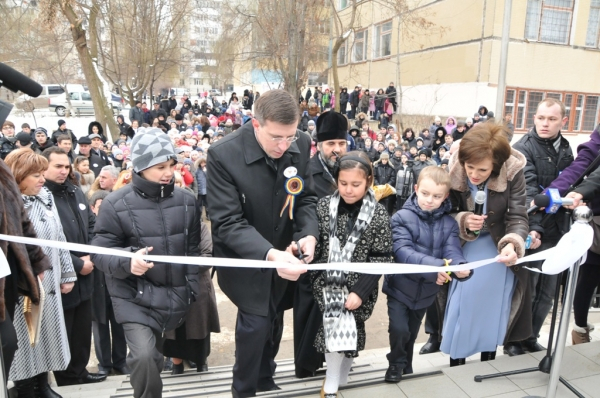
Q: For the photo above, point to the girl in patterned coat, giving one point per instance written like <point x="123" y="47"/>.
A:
<point x="353" y="227"/>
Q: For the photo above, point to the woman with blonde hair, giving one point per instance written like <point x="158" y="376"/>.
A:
<point x="86" y="176"/>
<point x="31" y="365"/>
<point x="123" y="179"/>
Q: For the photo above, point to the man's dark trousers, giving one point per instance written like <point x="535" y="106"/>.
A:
<point x="78" y="322"/>
<point x="109" y="340"/>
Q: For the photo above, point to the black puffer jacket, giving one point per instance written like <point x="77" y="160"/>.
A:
<point x="78" y="225"/>
<point x="147" y="214"/>
<point x="385" y="174"/>
<point x="544" y="164"/>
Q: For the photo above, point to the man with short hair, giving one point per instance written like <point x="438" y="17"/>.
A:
<point x="353" y="100"/>
<point x="78" y="225"/>
<point x="247" y="175"/>
<point x="97" y="150"/>
<point x="157" y="111"/>
<point x="85" y="150"/>
<point x="548" y="153"/>
<point x="64" y="142"/>
<point x="136" y="113"/>
<point x="62" y="129"/>
<point x="7" y="142"/>
<point x="108" y="178"/>
<point x="25" y="128"/>
<point x="41" y="141"/>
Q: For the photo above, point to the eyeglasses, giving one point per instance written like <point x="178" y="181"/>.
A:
<point x="8" y="127"/>
<point x="281" y="139"/>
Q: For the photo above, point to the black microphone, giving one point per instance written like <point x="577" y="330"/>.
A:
<point x="16" y="81"/>
<point x="539" y="201"/>
<point x="480" y="198"/>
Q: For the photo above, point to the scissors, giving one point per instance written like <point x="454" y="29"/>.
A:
<point x="300" y="254"/>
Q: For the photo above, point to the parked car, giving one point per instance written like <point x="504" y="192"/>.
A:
<point x="213" y="92"/>
<point x="82" y="104"/>
<point x="48" y="91"/>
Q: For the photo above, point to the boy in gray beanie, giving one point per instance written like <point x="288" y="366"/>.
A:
<point x="151" y="148"/>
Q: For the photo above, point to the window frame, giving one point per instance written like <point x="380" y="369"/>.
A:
<point x="377" y="39"/>
<point x="364" y="44"/>
<point x="577" y="114"/>
<point x="539" y="21"/>
<point x="593" y="8"/>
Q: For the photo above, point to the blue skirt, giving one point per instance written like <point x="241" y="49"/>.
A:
<point x="478" y="309"/>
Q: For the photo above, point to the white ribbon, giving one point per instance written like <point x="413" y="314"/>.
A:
<point x="569" y="249"/>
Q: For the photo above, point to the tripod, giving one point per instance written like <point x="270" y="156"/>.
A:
<point x="583" y="214"/>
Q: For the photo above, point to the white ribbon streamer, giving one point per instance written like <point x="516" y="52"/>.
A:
<point x="571" y="247"/>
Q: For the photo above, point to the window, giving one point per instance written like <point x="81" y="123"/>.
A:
<point x="535" y="97"/>
<point x="593" y="29"/>
<point x="182" y="82"/>
<point x="549" y="20"/>
<point x="197" y="82"/>
<point x="520" y="120"/>
<point x="342" y="54"/>
<point x="86" y="97"/>
<point x="383" y="40"/>
<point x="323" y="53"/>
<point x="323" y="27"/>
<point x="582" y="110"/>
<point x="55" y="90"/>
<point x="74" y="96"/>
<point x="360" y="46"/>
<point x="181" y="69"/>
<point x="198" y="68"/>
<point x="590" y="115"/>
<point x="343" y="4"/>
<point x="509" y="102"/>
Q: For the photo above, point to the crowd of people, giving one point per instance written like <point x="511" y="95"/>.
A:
<point x="279" y="183"/>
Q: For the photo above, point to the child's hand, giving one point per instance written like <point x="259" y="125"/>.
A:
<point x="462" y="274"/>
<point x="353" y="302"/>
<point x="442" y="278"/>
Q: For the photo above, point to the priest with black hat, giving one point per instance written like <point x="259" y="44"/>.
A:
<point x="332" y="142"/>
<point x="332" y="135"/>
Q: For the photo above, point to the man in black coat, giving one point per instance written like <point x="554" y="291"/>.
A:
<point x="78" y="225"/>
<point x="353" y="100"/>
<point x="548" y="153"/>
<point x="332" y="143"/>
<point x="247" y="174"/>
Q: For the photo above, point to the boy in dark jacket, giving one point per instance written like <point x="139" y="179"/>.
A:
<point x="423" y="232"/>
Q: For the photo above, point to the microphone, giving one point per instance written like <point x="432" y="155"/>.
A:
<point x="540" y="200"/>
<point x="480" y="198"/>
<point x="556" y="201"/>
<point x="16" y="81"/>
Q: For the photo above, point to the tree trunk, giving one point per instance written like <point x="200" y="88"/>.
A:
<point x="334" y="72"/>
<point x="102" y="110"/>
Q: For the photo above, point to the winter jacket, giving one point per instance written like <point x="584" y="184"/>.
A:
<point x="427" y="141"/>
<point x="7" y="145"/>
<point x="147" y="214"/>
<point x="380" y="101"/>
<point x="586" y="153"/>
<point x="506" y="222"/>
<point x="68" y="132"/>
<point x="364" y="101"/>
<point x="434" y="127"/>
<point x="354" y="98"/>
<point x="450" y="127"/>
<point x="391" y="94"/>
<point x="457" y="135"/>
<point x="136" y="113"/>
<point x="422" y="237"/>
<point x="544" y="165"/>
<point x="371" y="153"/>
<point x="385" y="174"/>
<point x="344" y="97"/>
<point x="405" y="182"/>
<point x="78" y="225"/>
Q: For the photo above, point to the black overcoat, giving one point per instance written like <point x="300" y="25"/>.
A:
<point x="245" y="201"/>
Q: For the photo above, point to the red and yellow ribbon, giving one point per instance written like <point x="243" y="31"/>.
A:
<point x="293" y="186"/>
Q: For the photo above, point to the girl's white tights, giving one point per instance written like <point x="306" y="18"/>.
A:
<point x="338" y="367"/>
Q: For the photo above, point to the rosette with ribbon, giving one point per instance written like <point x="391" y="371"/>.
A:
<point x="293" y="186"/>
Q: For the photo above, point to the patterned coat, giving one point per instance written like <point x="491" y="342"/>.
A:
<point x="52" y="351"/>
<point x="375" y="246"/>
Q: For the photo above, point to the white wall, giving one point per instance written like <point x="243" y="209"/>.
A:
<point x="456" y="99"/>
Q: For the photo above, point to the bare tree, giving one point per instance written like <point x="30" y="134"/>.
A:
<point x="139" y="41"/>
<point x="279" y="36"/>
<point x="52" y="13"/>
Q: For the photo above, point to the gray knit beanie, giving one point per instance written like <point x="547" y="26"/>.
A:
<point x="151" y="148"/>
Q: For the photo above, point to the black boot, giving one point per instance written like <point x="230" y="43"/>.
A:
<point x="44" y="390"/>
<point x="488" y="356"/>
<point x="26" y="388"/>
<point x="177" y="369"/>
<point x="432" y="345"/>
<point x="457" y="362"/>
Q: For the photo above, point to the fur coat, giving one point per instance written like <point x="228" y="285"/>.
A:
<point x="25" y="261"/>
